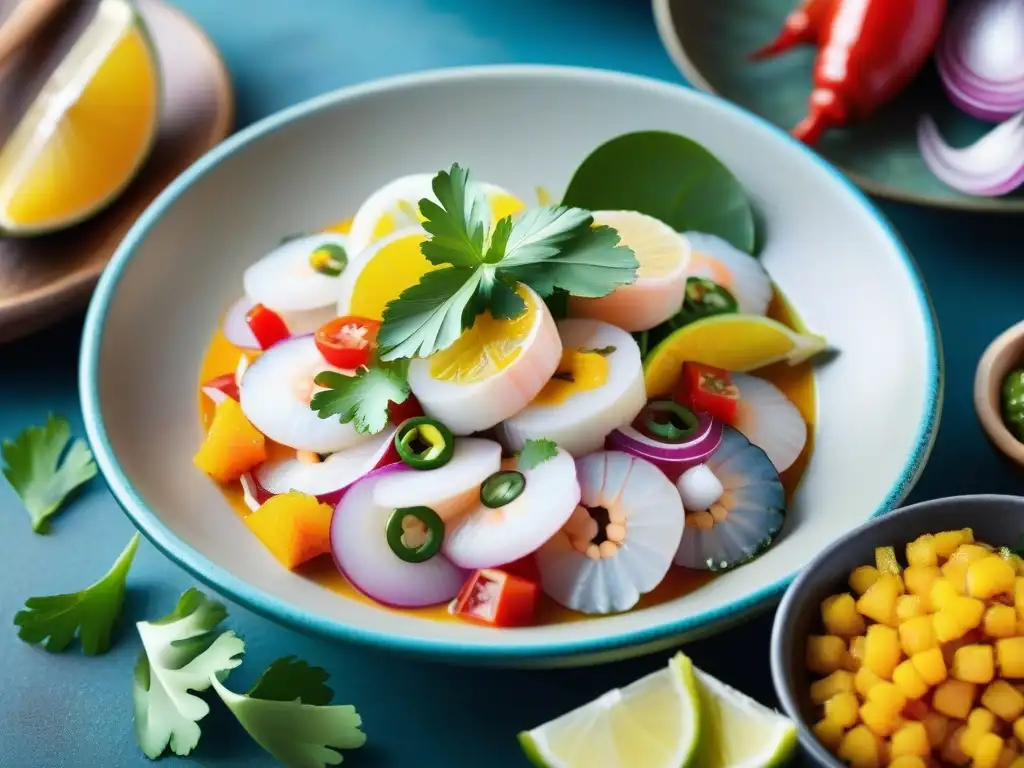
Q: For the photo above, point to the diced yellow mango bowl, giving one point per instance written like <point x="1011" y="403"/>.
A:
<point x="905" y="638"/>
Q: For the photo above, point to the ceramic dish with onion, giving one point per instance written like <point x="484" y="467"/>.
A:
<point x="812" y="237"/>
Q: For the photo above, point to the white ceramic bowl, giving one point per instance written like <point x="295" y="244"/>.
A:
<point x="518" y="126"/>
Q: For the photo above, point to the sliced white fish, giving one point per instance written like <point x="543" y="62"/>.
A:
<point x="739" y="273"/>
<point x="770" y="420"/>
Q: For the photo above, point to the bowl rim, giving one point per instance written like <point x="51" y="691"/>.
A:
<point x="504" y="647"/>
<point x="779" y="652"/>
<point x="664" y="20"/>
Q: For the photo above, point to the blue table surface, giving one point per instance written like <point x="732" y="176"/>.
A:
<point x="62" y="710"/>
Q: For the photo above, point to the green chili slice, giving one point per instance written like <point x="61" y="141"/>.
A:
<point x="329" y="259"/>
<point x="402" y="527"/>
<point x="704" y="298"/>
<point x="669" y="421"/>
<point x="1013" y="402"/>
<point x="502" y="488"/>
<point x="424" y="443"/>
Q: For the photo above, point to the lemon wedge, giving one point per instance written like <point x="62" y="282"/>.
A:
<point x="737" y="343"/>
<point x="88" y="131"/>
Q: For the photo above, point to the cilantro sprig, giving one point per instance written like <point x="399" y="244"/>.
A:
<point x="362" y="399"/>
<point x="33" y="467"/>
<point x="536" y="452"/>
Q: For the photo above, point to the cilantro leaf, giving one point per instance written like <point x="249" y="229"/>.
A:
<point x="536" y="452"/>
<point x="430" y="315"/>
<point x="458" y="226"/>
<point x="362" y="399"/>
<point x="91" y="613"/>
<point x="539" y="233"/>
<point x="33" y="467"/>
<point x="296" y="724"/>
<point x="181" y="654"/>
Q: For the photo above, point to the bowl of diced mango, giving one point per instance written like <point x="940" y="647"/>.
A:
<point x="902" y="644"/>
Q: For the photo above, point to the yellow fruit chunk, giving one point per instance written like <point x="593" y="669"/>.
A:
<point x="954" y="698"/>
<point x="879" y="719"/>
<point x="829" y="734"/>
<point x="990" y="576"/>
<point x="1004" y="700"/>
<point x="970" y="739"/>
<point x="862" y="577"/>
<point x="882" y="650"/>
<point x="922" y="552"/>
<point x="839" y="615"/>
<point x="958" y="618"/>
<point x="917" y="635"/>
<point x="888" y="696"/>
<point x="974" y="664"/>
<point x="937" y="725"/>
<point x="952" y="751"/>
<point x="841" y="709"/>
<point x="1010" y="657"/>
<point x="909" y="680"/>
<point x="1018" y="729"/>
<point x="860" y="748"/>
<point x="855" y="655"/>
<point x="908" y="761"/>
<point x="987" y="751"/>
<point x="942" y="594"/>
<point x="88" y="132"/>
<point x="1000" y="621"/>
<point x="825" y="654"/>
<point x="946" y="542"/>
<point x="232" y="446"/>
<point x="840" y="681"/>
<point x="865" y="680"/>
<point x="930" y="665"/>
<point x="910" y="739"/>
<point x="981" y="720"/>
<point x="879" y="602"/>
<point x="909" y="607"/>
<point x="294" y="526"/>
<point x="955" y="569"/>
<point x="919" y="580"/>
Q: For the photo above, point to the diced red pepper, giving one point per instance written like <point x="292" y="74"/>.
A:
<point x="708" y="389"/>
<point x="498" y="598"/>
<point x="409" y="408"/>
<point x="267" y="326"/>
<point x="524" y="568"/>
<point x="226" y="384"/>
<point x="346" y="342"/>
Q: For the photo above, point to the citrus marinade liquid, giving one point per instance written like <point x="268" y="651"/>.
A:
<point x="797" y="382"/>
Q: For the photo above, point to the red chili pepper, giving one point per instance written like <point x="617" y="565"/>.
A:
<point x="226" y="384"/>
<point x="708" y="389"/>
<point x="525" y="568"/>
<point x="409" y="408"/>
<point x="267" y="326"/>
<point x="804" y="25"/>
<point x="494" y="597"/>
<point x="346" y="342"/>
<point x="870" y="50"/>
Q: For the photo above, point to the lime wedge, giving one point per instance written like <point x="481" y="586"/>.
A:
<point x="737" y="732"/>
<point x="652" y="723"/>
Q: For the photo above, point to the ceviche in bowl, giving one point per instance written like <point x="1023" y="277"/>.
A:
<point x="567" y="395"/>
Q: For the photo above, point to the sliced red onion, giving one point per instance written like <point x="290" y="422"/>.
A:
<point x="671" y="458"/>
<point x="361" y="552"/>
<point x="981" y="58"/>
<point x="328" y="479"/>
<point x="991" y="166"/>
<point x="235" y="328"/>
<point x="250" y="492"/>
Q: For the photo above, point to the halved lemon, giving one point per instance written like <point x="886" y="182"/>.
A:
<point x="738" y="343"/>
<point x="380" y="273"/>
<point x="88" y="131"/>
<point x="492" y="371"/>
<point x="663" y="257"/>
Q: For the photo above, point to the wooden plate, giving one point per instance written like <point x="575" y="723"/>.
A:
<point x="45" y="279"/>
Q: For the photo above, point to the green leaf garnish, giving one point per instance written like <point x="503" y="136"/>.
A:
<point x="33" y="467"/>
<point x="362" y="399"/>
<point x="667" y="176"/>
<point x="329" y="259"/>
<point x="536" y="452"/>
<point x="548" y="248"/>
<point x="181" y="654"/>
<point x="90" y="614"/>
<point x="602" y="351"/>
<point x="287" y="712"/>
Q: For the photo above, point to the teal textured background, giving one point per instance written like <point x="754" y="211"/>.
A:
<point x="64" y="710"/>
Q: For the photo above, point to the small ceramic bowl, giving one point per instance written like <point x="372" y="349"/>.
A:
<point x="996" y="520"/>
<point x="1004" y="354"/>
<point x="162" y="298"/>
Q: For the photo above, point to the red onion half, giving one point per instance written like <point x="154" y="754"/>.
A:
<point x="992" y="166"/>
<point x="671" y="458"/>
<point x="361" y="552"/>
<point x="236" y="329"/>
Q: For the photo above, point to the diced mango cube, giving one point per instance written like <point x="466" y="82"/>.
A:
<point x="879" y="602"/>
<point x="942" y="594"/>
<point x="829" y="734"/>
<point x="908" y="761"/>
<point x="888" y="695"/>
<point x="862" y="578"/>
<point x="974" y="664"/>
<point x="294" y="526"/>
<point x="930" y="665"/>
<point x="990" y="576"/>
<point x="825" y="653"/>
<point x="947" y="542"/>
<point x="954" y="698"/>
<point x="921" y="551"/>
<point x="909" y="607"/>
<point x="1018" y="729"/>
<point x="917" y="635"/>
<point x="855" y="653"/>
<point x="1000" y="621"/>
<point x="840" y="617"/>
<point x="937" y="725"/>
<point x="952" y="751"/>
<point x="909" y="680"/>
<point x="970" y="740"/>
<point x="232" y="446"/>
<point x="839" y="681"/>
<point x="957" y="618"/>
<point x="987" y="751"/>
<point x="841" y="709"/>
<point x="882" y="650"/>
<point x="1010" y="656"/>
<point x="1004" y="700"/>
<point x="910" y="739"/>
<point x="864" y="680"/>
<point x="879" y="719"/>
<point x="860" y="748"/>
<point x="981" y="720"/>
